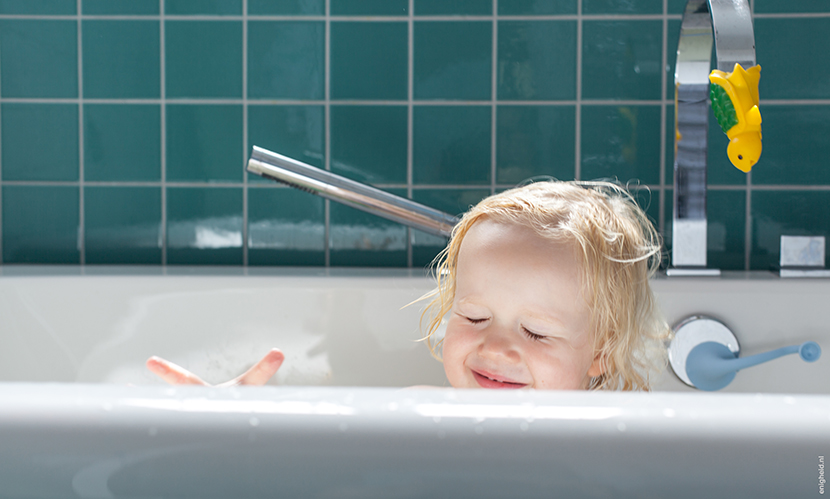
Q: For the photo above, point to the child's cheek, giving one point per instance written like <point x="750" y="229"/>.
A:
<point x="555" y="371"/>
<point x="457" y="346"/>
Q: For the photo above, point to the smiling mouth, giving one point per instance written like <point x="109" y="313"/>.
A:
<point x="493" y="383"/>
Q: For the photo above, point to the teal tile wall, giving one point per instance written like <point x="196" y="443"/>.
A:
<point x="125" y="125"/>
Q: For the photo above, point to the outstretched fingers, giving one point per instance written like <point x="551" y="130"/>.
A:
<point x="263" y="370"/>
<point x="172" y="373"/>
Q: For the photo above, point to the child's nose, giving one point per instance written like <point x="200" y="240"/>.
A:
<point x="499" y="343"/>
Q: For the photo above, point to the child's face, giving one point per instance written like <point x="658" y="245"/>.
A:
<point x="519" y="318"/>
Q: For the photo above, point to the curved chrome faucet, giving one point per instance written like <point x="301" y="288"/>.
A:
<point x="355" y="194"/>
<point x="729" y="23"/>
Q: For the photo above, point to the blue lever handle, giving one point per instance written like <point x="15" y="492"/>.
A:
<point x="711" y="365"/>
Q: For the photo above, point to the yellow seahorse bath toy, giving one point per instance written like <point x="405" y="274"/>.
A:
<point x="735" y="104"/>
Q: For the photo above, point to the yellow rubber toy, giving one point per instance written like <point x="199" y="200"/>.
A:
<point x="735" y="103"/>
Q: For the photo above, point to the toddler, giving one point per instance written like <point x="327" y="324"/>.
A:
<point x="543" y="286"/>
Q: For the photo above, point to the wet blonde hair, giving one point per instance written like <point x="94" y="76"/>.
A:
<point x="620" y="251"/>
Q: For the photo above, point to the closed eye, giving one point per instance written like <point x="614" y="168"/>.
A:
<point x="475" y="321"/>
<point x="533" y="336"/>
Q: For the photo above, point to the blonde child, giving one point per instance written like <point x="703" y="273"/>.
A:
<point x="543" y="286"/>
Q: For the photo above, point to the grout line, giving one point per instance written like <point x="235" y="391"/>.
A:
<point x="163" y="127"/>
<point x="564" y="17"/>
<point x="792" y="15"/>
<point x="410" y="124"/>
<point x="493" y="97"/>
<point x="425" y="103"/>
<point x="578" y="103"/>
<point x="244" y="133"/>
<point x="327" y="135"/>
<point x="374" y="18"/>
<point x="418" y="187"/>
<point x="81" y="217"/>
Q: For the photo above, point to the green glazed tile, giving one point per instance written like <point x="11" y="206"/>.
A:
<point x="40" y="141"/>
<point x="451" y="201"/>
<point x="286" y="7"/>
<point x="590" y="7"/>
<point x="40" y="224"/>
<point x="796" y="145"/>
<point x="785" y="213"/>
<point x="294" y="131"/>
<point x="369" y="143"/>
<point x="455" y="7"/>
<point x="537" y="60"/>
<point x="208" y="7"/>
<point x="676" y="6"/>
<point x="622" y="59"/>
<point x="39" y="7"/>
<point x="286" y="59"/>
<point x="369" y="60"/>
<point x="203" y="59"/>
<point x="360" y="239"/>
<point x="122" y="142"/>
<point x="121" y="7"/>
<point x="122" y="225"/>
<point x="789" y="69"/>
<point x="451" y="145"/>
<point x="533" y="141"/>
<point x="285" y="227"/>
<point x="121" y="59"/>
<point x="39" y="58"/>
<point x="204" y="226"/>
<point x="537" y="7"/>
<point x="204" y="143"/>
<point x="369" y="7"/>
<point x="621" y="142"/>
<point x="425" y="247"/>
<point x="453" y="60"/>
<point x="791" y="6"/>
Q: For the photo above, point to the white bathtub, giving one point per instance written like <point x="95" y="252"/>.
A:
<point x="81" y="417"/>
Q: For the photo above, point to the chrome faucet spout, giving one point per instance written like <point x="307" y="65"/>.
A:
<point x="355" y="194"/>
<point x="729" y="24"/>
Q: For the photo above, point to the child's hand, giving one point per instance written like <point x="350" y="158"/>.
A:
<point x="259" y="374"/>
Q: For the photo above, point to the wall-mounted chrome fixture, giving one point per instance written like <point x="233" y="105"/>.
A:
<point x="704" y="353"/>
<point x="729" y="24"/>
<point x="361" y="196"/>
<point x="802" y="256"/>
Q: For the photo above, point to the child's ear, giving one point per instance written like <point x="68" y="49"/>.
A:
<point x="597" y="367"/>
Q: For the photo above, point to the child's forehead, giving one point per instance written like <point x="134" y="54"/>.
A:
<point x="489" y="234"/>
